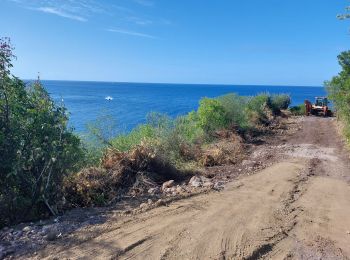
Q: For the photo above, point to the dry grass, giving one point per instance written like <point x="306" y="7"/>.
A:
<point x="120" y="172"/>
<point x="228" y="149"/>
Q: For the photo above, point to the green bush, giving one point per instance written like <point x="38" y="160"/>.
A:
<point x="37" y="149"/>
<point x="257" y="108"/>
<point x="339" y="91"/>
<point x="125" y="142"/>
<point x="159" y="121"/>
<point x="211" y="115"/>
<point x="179" y="142"/>
<point x="167" y="136"/>
<point x="187" y="127"/>
<point x="234" y="107"/>
<point x="280" y="102"/>
<point x="298" y="110"/>
<point x="93" y="150"/>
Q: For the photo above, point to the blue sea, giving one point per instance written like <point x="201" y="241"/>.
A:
<point x="131" y="102"/>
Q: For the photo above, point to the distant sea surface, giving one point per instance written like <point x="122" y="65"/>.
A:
<point x="86" y="101"/>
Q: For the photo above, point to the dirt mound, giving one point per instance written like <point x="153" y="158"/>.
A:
<point x="120" y="173"/>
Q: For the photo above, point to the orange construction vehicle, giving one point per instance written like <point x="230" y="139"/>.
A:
<point x="320" y="107"/>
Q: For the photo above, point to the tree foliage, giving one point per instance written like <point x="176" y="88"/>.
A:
<point x="37" y="149"/>
<point x="339" y="91"/>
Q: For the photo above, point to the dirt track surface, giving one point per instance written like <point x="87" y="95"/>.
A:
<point x="297" y="208"/>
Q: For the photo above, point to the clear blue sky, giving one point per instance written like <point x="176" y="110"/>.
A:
<point x="279" y="42"/>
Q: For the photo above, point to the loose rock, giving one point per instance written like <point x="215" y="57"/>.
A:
<point x="219" y="185"/>
<point x="52" y="235"/>
<point x="26" y="229"/>
<point x="195" y="182"/>
<point x="168" y="184"/>
<point x="143" y="205"/>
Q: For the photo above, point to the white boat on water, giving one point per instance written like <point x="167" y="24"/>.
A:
<point x="108" y="98"/>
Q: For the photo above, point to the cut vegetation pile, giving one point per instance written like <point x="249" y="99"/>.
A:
<point x="227" y="149"/>
<point x="119" y="173"/>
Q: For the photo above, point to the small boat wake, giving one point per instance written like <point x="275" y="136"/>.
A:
<point x="108" y="98"/>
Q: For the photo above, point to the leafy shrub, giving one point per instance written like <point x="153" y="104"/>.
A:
<point x="179" y="143"/>
<point x="93" y="150"/>
<point x="234" y="107"/>
<point x="298" y="110"/>
<point x="211" y="115"/>
<point x="187" y="127"/>
<point x="36" y="147"/>
<point x="125" y="142"/>
<point x="280" y="102"/>
<point x="257" y="108"/>
<point x="339" y="91"/>
<point x="159" y="121"/>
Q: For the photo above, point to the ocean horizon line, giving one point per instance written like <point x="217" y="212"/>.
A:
<point x="172" y="83"/>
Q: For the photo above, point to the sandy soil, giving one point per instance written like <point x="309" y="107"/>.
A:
<point x="298" y="207"/>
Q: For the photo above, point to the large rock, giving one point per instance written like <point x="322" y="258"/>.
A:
<point x="168" y="184"/>
<point x="195" y="182"/>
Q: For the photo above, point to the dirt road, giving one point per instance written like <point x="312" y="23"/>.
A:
<point x="298" y="208"/>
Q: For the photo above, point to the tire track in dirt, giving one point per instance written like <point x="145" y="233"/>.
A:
<point x="322" y="229"/>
